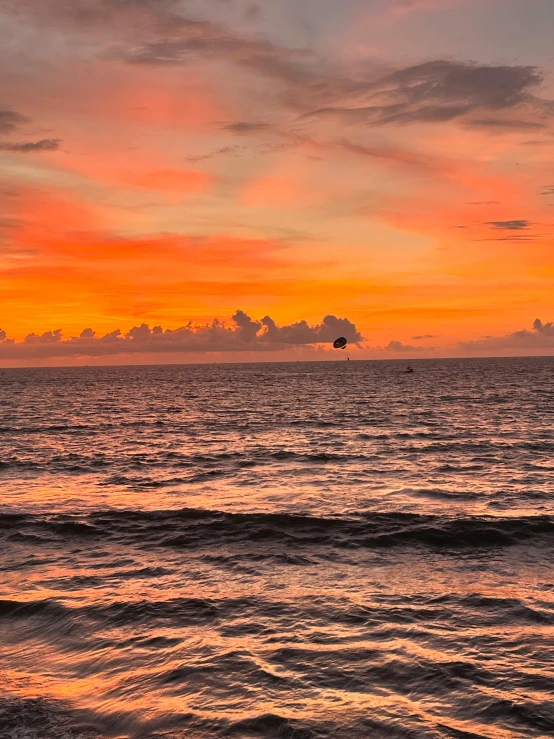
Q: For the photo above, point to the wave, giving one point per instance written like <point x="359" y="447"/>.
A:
<point x="46" y="428"/>
<point x="47" y="718"/>
<point x="34" y="718"/>
<point x="390" y="614"/>
<point x="200" y="528"/>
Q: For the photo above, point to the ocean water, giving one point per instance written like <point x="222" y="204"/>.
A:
<point x="305" y="551"/>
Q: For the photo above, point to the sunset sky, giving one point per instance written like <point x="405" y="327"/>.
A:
<point x="188" y="176"/>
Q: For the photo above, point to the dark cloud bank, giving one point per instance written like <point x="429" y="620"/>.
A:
<point x="244" y="335"/>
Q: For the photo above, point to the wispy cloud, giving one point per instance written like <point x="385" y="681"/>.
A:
<point x="25" y="147"/>
<point x="155" y="34"/>
<point x="10" y="121"/>
<point x="223" y="150"/>
<point x="245" y="127"/>
<point x="514" y="225"/>
<point x="507" y="124"/>
<point x="440" y="91"/>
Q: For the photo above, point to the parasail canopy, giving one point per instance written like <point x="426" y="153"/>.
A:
<point x="340" y="343"/>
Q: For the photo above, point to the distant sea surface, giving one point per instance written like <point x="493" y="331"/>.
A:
<point x="303" y="551"/>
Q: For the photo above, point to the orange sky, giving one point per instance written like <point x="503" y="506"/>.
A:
<point x="169" y="163"/>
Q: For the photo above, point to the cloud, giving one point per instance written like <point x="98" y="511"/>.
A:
<point x="515" y="225"/>
<point x="91" y="13"/>
<point x="404" y="6"/>
<point x="540" y="337"/>
<point x="50" y="337"/>
<point x="147" y="32"/>
<point x="244" y="335"/>
<point x="543" y="329"/>
<point x="439" y="91"/>
<point x="188" y="40"/>
<point x="242" y="127"/>
<point x="233" y="150"/>
<point x="424" y="336"/>
<point x="4" y="338"/>
<point x="9" y="120"/>
<point x="156" y="32"/>
<point x="301" y="333"/>
<point x="28" y="146"/>
<point x="508" y="124"/>
<point x="415" y="161"/>
<point x="87" y="334"/>
<point x="398" y="346"/>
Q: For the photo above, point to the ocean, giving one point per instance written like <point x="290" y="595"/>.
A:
<point x="296" y="550"/>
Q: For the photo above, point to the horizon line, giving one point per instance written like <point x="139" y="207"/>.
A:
<point x="284" y="361"/>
